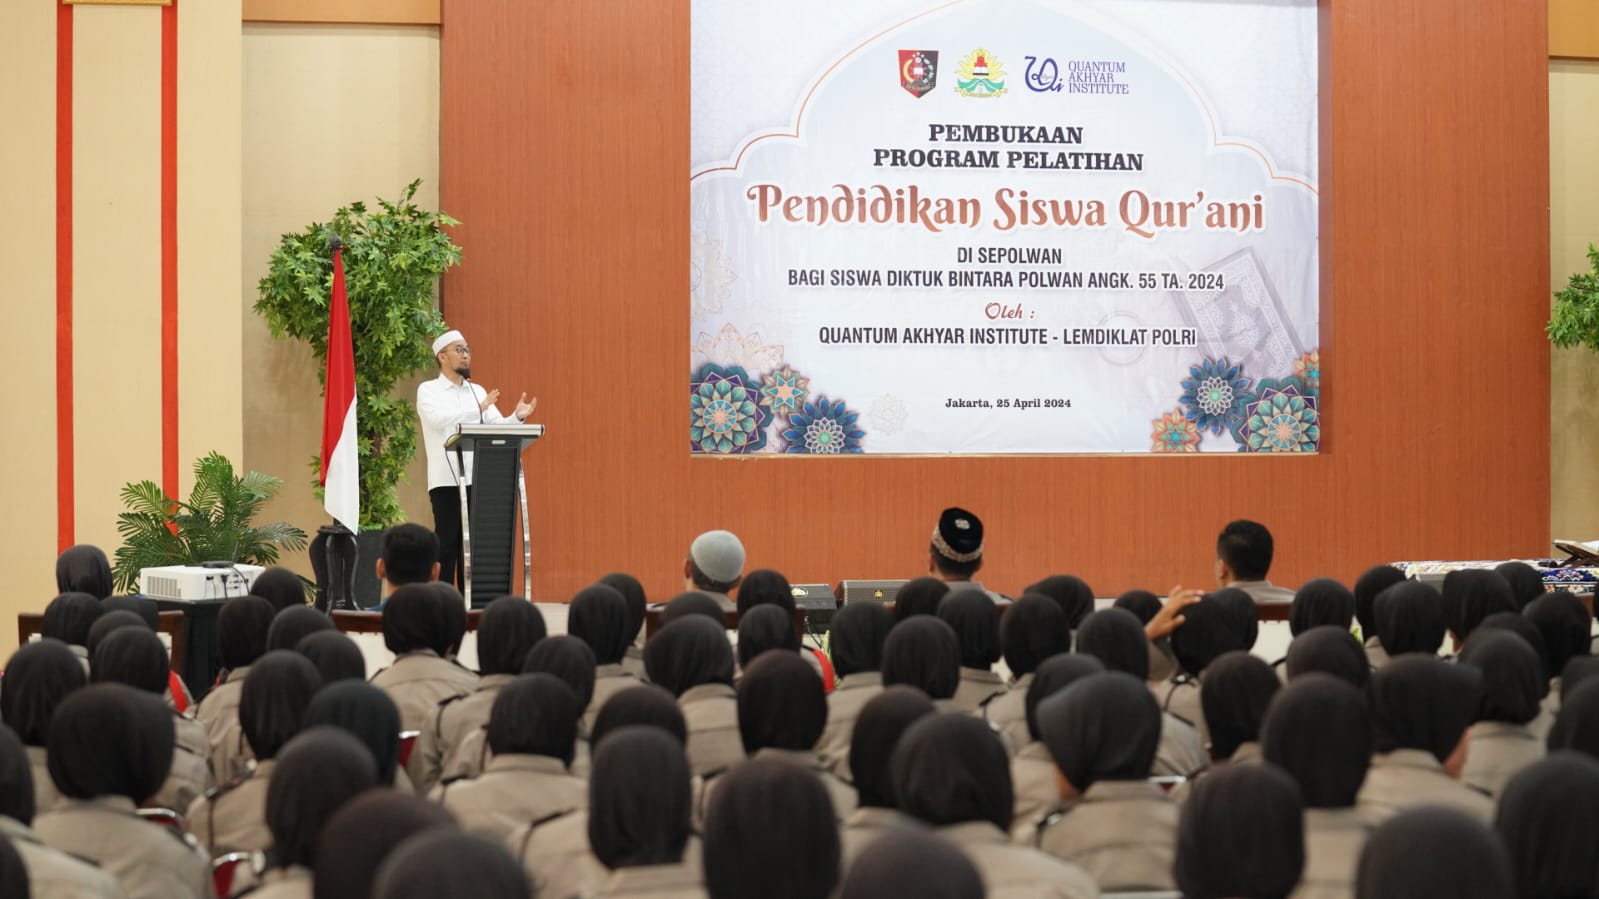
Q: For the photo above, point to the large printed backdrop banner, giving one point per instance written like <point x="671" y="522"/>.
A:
<point x="1004" y="226"/>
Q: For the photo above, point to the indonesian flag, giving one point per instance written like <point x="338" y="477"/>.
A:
<point x="341" y="468"/>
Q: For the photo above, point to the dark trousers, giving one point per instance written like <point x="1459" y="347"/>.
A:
<point x="447" y="526"/>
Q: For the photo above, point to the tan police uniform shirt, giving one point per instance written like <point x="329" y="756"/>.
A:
<point x="512" y="791"/>
<point x="678" y="881"/>
<point x="976" y="687"/>
<point x="1547" y="710"/>
<point x="1334" y="838"/>
<point x="1265" y="592"/>
<point x="844" y="705"/>
<point x="1036" y="784"/>
<point x="1162" y="664"/>
<point x="218" y="713"/>
<point x="841" y="793"/>
<point x="148" y="861"/>
<point x="633" y="663"/>
<point x="1407" y="778"/>
<point x="1497" y="752"/>
<point x="419" y="681"/>
<point x="1181" y="698"/>
<point x="1007" y="714"/>
<point x="45" y="795"/>
<point x="864" y="826"/>
<point x="1376" y="656"/>
<point x="190" y="776"/>
<point x="232" y="818"/>
<point x="609" y="680"/>
<point x="714" y="743"/>
<point x="555" y="855"/>
<point x="1123" y="833"/>
<point x="53" y="874"/>
<point x="450" y="722"/>
<point x="1181" y="752"/>
<point x="1010" y="871"/>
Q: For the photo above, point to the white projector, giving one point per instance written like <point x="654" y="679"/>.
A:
<point x="187" y="583"/>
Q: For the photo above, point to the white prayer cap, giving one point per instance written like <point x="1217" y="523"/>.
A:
<point x="445" y="339"/>
<point x="718" y="555"/>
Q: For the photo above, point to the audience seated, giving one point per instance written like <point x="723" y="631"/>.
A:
<point x="1319" y="731"/>
<point x="293" y="624"/>
<point x="882" y="721"/>
<point x="1410" y="619"/>
<point x="769" y="833"/>
<point x="690" y="657"/>
<point x="715" y="566"/>
<point x="1244" y="552"/>
<point x="1033" y="629"/>
<point x="1546" y="820"/>
<point x="1513" y="686"/>
<point x="1576" y="727"/>
<point x="908" y="863"/>
<point x="271" y="711"/>
<point x="37" y="678"/>
<point x="555" y="852"/>
<point x="362" y="834"/>
<point x="1421" y="707"/>
<point x="410" y="555"/>
<point x="1215" y="625"/>
<point x="242" y="626"/>
<point x="415" y="630"/>
<point x="49" y="872"/>
<point x="532" y="733"/>
<point x="1071" y="593"/>
<point x="509" y="628"/>
<point x="782" y="710"/>
<point x="370" y="716"/>
<point x="572" y="662"/>
<point x="923" y="652"/>
<point x="764" y="628"/>
<point x="1329" y="650"/>
<point x="952" y="773"/>
<point x="1102" y="733"/>
<point x="1470" y="595"/>
<point x="84" y="569"/>
<point x="280" y="587"/>
<point x="317" y="773"/>
<point x="956" y="553"/>
<point x="692" y="602"/>
<point x="1115" y="637"/>
<point x="110" y="749"/>
<point x="136" y="657"/>
<point x="641" y="816"/>
<point x="1526" y="584"/>
<point x="856" y="644"/>
<point x="1241" y="834"/>
<point x="1237" y="689"/>
<point x="919" y="596"/>
<point x="974" y="618"/>
<point x="68" y="618"/>
<point x="1319" y="602"/>
<point x="1035" y="780"/>
<point x="1371" y="582"/>
<point x="1566" y="625"/>
<point x="764" y="587"/>
<point x="1434" y="853"/>
<point x="637" y="606"/>
<point x="599" y="616"/>
<point x="335" y="656"/>
<point x="446" y="863"/>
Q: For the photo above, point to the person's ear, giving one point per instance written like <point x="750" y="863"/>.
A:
<point x="435" y="573"/>
<point x="383" y="572"/>
<point x="688" y="569"/>
<point x="1223" y="574"/>
<point x="932" y="565"/>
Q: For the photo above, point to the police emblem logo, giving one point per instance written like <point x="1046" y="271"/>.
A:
<point x="980" y="75"/>
<point x="918" y="71"/>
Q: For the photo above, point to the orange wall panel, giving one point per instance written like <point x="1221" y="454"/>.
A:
<point x="565" y="154"/>
<point x="1574" y="29"/>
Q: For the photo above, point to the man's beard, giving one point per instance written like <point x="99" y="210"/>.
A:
<point x="464" y="371"/>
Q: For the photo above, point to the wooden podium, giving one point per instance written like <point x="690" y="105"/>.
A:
<point x="488" y="519"/>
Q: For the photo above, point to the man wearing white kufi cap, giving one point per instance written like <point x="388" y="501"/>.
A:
<point x="442" y="403"/>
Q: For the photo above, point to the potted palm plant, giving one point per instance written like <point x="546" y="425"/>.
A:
<point x="1575" y="321"/>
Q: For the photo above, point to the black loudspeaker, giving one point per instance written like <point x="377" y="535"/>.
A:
<point x="818" y="604"/>
<point x="870" y="590"/>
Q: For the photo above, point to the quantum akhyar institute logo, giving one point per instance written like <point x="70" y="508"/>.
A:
<point x="918" y="71"/>
<point x="981" y="75"/>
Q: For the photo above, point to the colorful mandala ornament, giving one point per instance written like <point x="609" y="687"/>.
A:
<point x="783" y="391"/>
<point x="1282" y="418"/>
<point x="1213" y="395"/>
<point x="725" y="414"/>
<point x="1174" y="433"/>
<point x="1307" y="369"/>
<point x="823" y="427"/>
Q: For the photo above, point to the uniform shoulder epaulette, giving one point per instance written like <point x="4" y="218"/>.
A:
<point x="535" y="824"/>
<point x="1047" y="820"/>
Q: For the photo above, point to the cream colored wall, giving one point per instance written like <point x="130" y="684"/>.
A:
<point x="1574" y="224"/>
<point x="28" y="298"/>
<point x="333" y="113"/>
<point x="116" y="290"/>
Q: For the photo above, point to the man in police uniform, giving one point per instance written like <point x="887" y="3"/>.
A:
<point x="957" y="552"/>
